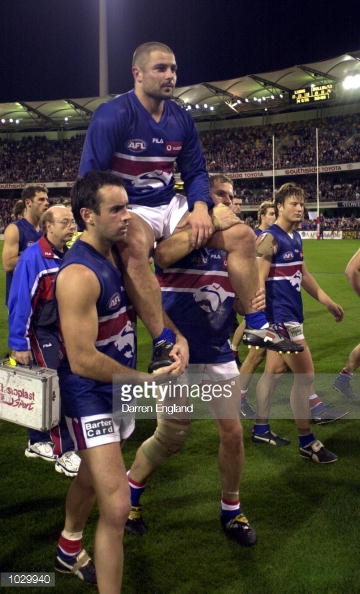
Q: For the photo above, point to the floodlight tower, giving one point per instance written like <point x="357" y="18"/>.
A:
<point x="103" y="50"/>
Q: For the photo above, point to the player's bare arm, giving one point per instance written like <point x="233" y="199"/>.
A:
<point x="180" y="244"/>
<point x="312" y="287"/>
<point x="79" y="327"/>
<point x="352" y="272"/>
<point x="265" y="249"/>
<point x="10" y="253"/>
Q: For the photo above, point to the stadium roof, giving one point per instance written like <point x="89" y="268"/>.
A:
<point x="273" y="92"/>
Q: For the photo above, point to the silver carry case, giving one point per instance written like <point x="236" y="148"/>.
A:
<point x="29" y="396"/>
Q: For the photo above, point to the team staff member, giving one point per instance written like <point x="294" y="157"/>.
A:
<point x="18" y="236"/>
<point x="97" y="324"/>
<point x="33" y="328"/>
<point x="141" y="136"/>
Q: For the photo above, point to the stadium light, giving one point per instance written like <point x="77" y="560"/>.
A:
<point x="352" y="81"/>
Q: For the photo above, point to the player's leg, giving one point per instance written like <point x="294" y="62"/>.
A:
<point x="231" y="455"/>
<point x="102" y="477"/>
<point x="239" y="243"/>
<point x="342" y="382"/>
<point x="141" y="284"/>
<point x="265" y="388"/>
<point x="107" y="471"/>
<point x="251" y="362"/>
<point x="303" y="369"/>
<point x="168" y="439"/>
<point x="71" y="557"/>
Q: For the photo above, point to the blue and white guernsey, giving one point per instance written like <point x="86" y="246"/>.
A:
<point x="198" y="297"/>
<point x="27" y="236"/>
<point x="124" y="138"/>
<point x="283" y="286"/>
<point x="116" y="334"/>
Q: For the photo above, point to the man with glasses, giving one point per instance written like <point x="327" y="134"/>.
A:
<point x="33" y="333"/>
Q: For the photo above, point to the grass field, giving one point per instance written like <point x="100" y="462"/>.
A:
<point x="306" y="516"/>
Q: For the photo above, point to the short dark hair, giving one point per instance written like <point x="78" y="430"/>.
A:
<point x="31" y="190"/>
<point x="85" y="192"/>
<point x="285" y="191"/>
<point x="143" y="50"/>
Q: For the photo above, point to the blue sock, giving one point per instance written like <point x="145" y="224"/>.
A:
<point x="261" y="429"/>
<point x="136" y="490"/>
<point x="304" y="440"/>
<point x="316" y="409"/>
<point x="166" y="334"/>
<point x="229" y="509"/>
<point x="256" y="320"/>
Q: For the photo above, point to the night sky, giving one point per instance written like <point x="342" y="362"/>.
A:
<point x="49" y="48"/>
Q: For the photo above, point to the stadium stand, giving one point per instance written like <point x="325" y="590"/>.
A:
<point x="256" y="132"/>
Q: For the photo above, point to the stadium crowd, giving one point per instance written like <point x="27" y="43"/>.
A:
<point x="37" y="158"/>
<point x="40" y="159"/>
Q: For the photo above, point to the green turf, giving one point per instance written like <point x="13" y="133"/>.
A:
<point x="306" y="516"/>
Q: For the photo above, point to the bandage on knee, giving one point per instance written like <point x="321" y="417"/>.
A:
<point x="168" y="439"/>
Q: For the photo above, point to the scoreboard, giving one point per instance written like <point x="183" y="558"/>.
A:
<point x="313" y="93"/>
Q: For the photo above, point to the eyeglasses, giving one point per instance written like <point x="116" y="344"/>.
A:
<point x="66" y="222"/>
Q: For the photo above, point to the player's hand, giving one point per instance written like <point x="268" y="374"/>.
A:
<point x="175" y="369"/>
<point x="201" y="225"/>
<point x="258" y="303"/>
<point x="180" y="350"/>
<point x="22" y="357"/>
<point x="223" y="217"/>
<point x="337" y="311"/>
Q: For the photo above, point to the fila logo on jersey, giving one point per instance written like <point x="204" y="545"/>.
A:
<point x="136" y="145"/>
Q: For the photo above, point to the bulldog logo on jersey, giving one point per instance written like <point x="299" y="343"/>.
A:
<point x="125" y="342"/>
<point x="155" y="180"/>
<point x="295" y="280"/>
<point x="211" y="297"/>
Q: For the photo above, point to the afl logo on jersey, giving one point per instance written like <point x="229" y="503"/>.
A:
<point x="136" y="145"/>
<point x="288" y="256"/>
<point x="114" y="301"/>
